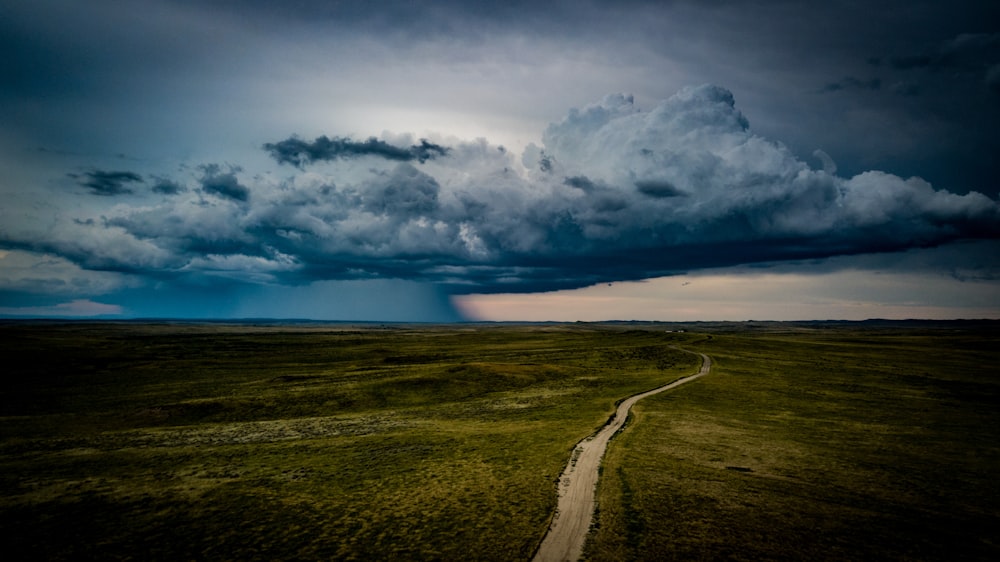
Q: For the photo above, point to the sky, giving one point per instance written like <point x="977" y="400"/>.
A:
<point x="444" y="161"/>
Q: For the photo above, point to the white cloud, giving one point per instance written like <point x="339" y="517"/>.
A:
<point x="35" y="273"/>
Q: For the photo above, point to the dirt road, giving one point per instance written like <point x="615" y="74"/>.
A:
<point x="578" y="482"/>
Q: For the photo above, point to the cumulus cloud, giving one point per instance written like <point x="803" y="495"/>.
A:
<point x="92" y="244"/>
<point x="403" y="192"/>
<point x="32" y="273"/>
<point x="298" y="152"/>
<point x="104" y="182"/>
<point x="615" y="192"/>
<point x="223" y="184"/>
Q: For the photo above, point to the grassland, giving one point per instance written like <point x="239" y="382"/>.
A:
<point x="814" y="444"/>
<point x="170" y="442"/>
<point x="239" y="442"/>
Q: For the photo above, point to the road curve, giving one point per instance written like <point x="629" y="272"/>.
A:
<point x="578" y="482"/>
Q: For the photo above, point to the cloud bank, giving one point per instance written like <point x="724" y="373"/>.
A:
<point x="613" y="193"/>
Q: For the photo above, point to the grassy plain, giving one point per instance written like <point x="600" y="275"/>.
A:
<point x="297" y="442"/>
<point x="839" y="443"/>
<point x="239" y="442"/>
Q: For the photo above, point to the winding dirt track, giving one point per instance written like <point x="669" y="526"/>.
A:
<point x="578" y="482"/>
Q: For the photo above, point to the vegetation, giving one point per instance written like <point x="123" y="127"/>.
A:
<point x="176" y="441"/>
<point x="309" y="442"/>
<point x="814" y="444"/>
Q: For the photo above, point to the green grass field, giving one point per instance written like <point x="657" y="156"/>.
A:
<point x="232" y="442"/>
<point x="832" y="444"/>
<point x="296" y="442"/>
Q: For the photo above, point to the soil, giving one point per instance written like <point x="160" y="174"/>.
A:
<point x="578" y="482"/>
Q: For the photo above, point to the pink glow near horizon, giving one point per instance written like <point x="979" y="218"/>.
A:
<point x="843" y="295"/>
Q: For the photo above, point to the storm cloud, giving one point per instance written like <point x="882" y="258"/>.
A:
<point x="223" y="184"/>
<point x="967" y="52"/>
<point x="298" y="152"/>
<point x="108" y="183"/>
<point x="615" y="193"/>
<point x="218" y="150"/>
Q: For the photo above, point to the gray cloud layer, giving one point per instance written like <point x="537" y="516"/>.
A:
<point x="614" y="193"/>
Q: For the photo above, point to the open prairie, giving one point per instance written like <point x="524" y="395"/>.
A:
<point x="317" y="442"/>
<point x="814" y="444"/>
<point x="238" y="442"/>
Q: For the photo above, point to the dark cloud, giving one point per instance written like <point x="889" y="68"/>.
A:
<point x="167" y="186"/>
<point x="850" y="82"/>
<point x="627" y="194"/>
<point x="993" y="78"/>
<point x="967" y="60"/>
<point x="427" y="150"/>
<point x="920" y="103"/>
<point x="579" y="182"/>
<point x="971" y="52"/>
<point x="910" y="88"/>
<point x="658" y="188"/>
<point x="911" y="61"/>
<point x="905" y="88"/>
<point x="545" y="163"/>
<point x="194" y="60"/>
<point x="101" y="182"/>
<point x="405" y="192"/>
<point x="298" y="152"/>
<point x="224" y="184"/>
